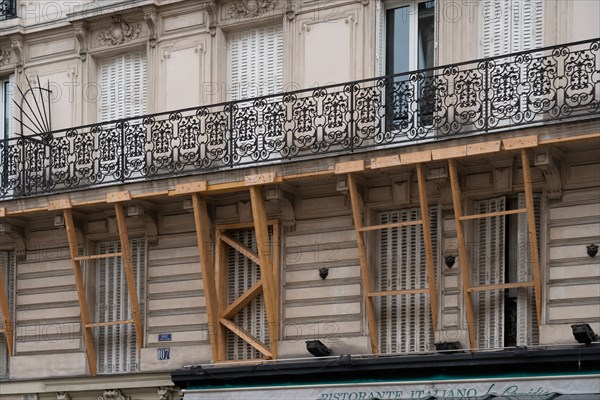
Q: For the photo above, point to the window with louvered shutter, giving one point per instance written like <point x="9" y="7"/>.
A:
<point x="7" y="269"/>
<point x="241" y="275"/>
<point x="405" y="320"/>
<point x="116" y="345"/>
<point x="511" y="25"/>
<point x="122" y="85"/>
<point x="489" y="270"/>
<point x="255" y="62"/>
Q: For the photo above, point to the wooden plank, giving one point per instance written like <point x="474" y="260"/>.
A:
<point x="2" y="212"/>
<point x="277" y="271"/>
<point x="485" y="288"/>
<point x="385" y="162"/>
<point x="533" y="240"/>
<point x="260" y="179"/>
<point x="192" y="187"/>
<point x="205" y="252"/>
<point x="129" y="276"/>
<point x="429" y="262"/>
<point x="221" y="288"/>
<point x="242" y="301"/>
<point x="90" y="347"/>
<point x="484" y="148"/>
<point x="391" y="225"/>
<point x="240" y="248"/>
<point x="568" y="139"/>
<point x="397" y="292"/>
<point x="117" y="197"/>
<point x="242" y="225"/>
<point x="98" y="256"/>
<point x="522" y="142"/>
<point x="111" y="323"/>
<point x="5" y="309"/>
<point x="56" y="205"/>
<point x="349" y="166"/>
<point x="247" y="337"/>
<point x="449" y="152"/>
<point x="364" y="263"/>
<point x="415" y="157"/>
<point x="463" y="255"/>
<point x="493" y="214"/>
<point x="266" y="262"/>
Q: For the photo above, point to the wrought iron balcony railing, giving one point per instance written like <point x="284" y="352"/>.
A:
<point x="524" y="89"/>
<point x="8" y="9"/>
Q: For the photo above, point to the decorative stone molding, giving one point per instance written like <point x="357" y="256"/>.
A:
<point x="16" y="235"/>
<point x="82" y="33"/>
<point x="120" y="32"/>
<point x="290" y="10"/>
<point x="4" y="57"/>
<point x="32" y="396"/>
<point x="279" y="198"/>
<point x="151" y="16"/>
<point x="113" y="394"/>
<point x="63" y="396"/>
<point x="503" y="175"/>
<point x="364" y="2"/>
<point x="251" y="8"/>
<point x="164" y="393"/>
<point x="445" y="199"/>
<point x="548" y="161"/>
<point x="211" y="11"/>
<point x="16" y="42"/>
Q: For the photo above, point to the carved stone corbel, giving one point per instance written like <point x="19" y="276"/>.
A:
<point x="63" y="396"/>
<point x="364" y="2"/>
<point x="290" y="10"/>
<point x="548" y="161"/>
<point x="15" y="235"/>
<point x="276" y="196"/>
<point x="211" y="11"/>
<point x="4" y="57"/>
<point x="113" y="394"/>
<point x="164" y="393"/>
<point x="151" y="16"/>
<point x="445" y="199"/>
<point x="16" y="42"/>
<point x="82" y="33"/>
<point x="503" y="175"/>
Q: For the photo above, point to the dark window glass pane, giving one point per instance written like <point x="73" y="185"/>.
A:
<point x="426" y="34"/>
<point x="398" y="29"/>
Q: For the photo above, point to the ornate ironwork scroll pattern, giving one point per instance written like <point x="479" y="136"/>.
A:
<point x="542" y="86"/>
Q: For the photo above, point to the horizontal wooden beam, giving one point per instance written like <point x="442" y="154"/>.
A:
<point x="349" y="166"/>
<point x="246" y="337"/>
<point x="392" y="225"/>
<point x="397" y="292"/>
<point x="485" y="288"/>
<point x="493" y="214"/>
<point x="521" y="142"/>
<point x="110" y="323"/>
<point x="98" y="256"/>
<point x="240" y="248"/>
<point x="242" y="301"/>
<point x="241" y="225"/>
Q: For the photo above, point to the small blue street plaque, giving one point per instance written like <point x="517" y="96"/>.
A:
<point x="164" y="337"/>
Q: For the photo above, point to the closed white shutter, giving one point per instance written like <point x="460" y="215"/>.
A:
<point x="242" y="274"/>
<point x="405" y="320"/>
<point x="509" y="26"/>
<point x="255" y="62"/>
<point x="527" y="326"/>
<point x="7" y="269"/>
<point x="117" y="350"/>
<point x="380" y="40"/>
<point x="489" y="270"/>
<point x="122" y="86"/>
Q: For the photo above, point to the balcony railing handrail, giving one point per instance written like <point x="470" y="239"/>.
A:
<point x="526" y="88"/>
<point x="324" y="87"/>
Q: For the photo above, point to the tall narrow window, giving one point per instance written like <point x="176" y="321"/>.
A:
<point x="7" y="86"/>
<point x="122" y="86"/>
<point x="117" y="350"/>
<point x="242" y="273"/>
<point x="504" y="318"/>
<point x="7" y="269"/>
<point x="255" y="62"/>
<point x="405" y="320"/>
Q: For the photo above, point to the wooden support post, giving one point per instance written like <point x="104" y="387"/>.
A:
<point x="462" y="253"/>
<point x="6" y="321"/>
<point x="129" y="275"/>
<point x="429" y="261"/>
<point x="364" y="264"/>
<point x="221" y="287"/>
<point x="90" y="347"/>
<point x="266" y="263"/>
<point x="205" y="249"/>
<point x="533" y="240"/>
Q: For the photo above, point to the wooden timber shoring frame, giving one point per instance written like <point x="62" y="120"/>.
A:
<point x="225" y="311"/>
<point x="7" y="327"/>
<point x="205" y="188"/>
<point x="76" y="258"/>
